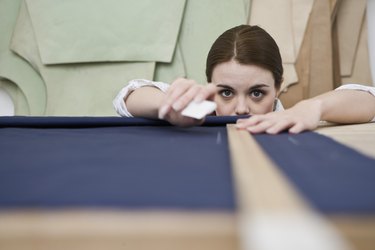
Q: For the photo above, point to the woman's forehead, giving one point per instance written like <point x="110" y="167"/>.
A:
<point x="240" y="75"/>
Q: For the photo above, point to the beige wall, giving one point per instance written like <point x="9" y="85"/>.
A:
<point x="334" y="50"/>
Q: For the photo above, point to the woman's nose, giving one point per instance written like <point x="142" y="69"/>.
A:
<point x="242" y="108"/>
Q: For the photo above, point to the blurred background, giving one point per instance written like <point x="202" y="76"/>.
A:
<point x="70" y="58"/>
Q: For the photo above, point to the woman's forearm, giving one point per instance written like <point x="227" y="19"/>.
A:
<point x="144" y="102"/>
<point x="346" y="106"/>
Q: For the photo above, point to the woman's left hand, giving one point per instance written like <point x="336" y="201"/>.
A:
<point x="305" y="115"/>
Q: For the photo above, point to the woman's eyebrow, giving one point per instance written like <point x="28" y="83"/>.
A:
<point x="224" y="86"/>
<point x="258" y="86"/>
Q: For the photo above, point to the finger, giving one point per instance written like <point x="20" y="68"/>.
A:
<point x="260" y="127"/>
<point x="186" y="98"/>
<point x="175" y="91"/>
<point x="279" y="126"/>
<point x="163" y="111"/>
<point x="297" y="128"/>
<point x="205" y="93"/>
<point x="177" y="88"/>
<point x="252" y="121"/>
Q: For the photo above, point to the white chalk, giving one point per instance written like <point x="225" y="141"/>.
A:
<point x="199" y="110"/>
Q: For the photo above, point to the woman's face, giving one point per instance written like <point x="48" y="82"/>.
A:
<point x="243" y="89"/>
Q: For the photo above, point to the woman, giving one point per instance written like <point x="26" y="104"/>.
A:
<point x="244" y="71"/>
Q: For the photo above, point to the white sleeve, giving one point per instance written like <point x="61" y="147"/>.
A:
<point x="118" y="102"/>
<point x="359" y="87"/>
<point x="278" y="106"/>
<point x="368" y="89"/>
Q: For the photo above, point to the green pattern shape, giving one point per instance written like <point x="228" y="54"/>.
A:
<point x="104" y="30"/>
<point x="16" y="70"/>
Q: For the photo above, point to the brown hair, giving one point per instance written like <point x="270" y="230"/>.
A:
<point x="249" y="45"/>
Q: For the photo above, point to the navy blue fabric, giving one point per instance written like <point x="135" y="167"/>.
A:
<point x="120" y="166"/>
<point x="126" y="162"/>
<point x="333" y="177"/>
<point x="84" y="122"/>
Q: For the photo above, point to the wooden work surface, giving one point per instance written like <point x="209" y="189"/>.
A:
<point x="360" y="136"/>
<point x="360" y="230"/>
<point x="269" y="216"/>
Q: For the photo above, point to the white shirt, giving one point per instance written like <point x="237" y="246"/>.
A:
<point x="122" y="110"/>
<point x="118" y="102"/>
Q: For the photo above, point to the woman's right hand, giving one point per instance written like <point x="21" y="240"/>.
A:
<point x="181" y="92"/>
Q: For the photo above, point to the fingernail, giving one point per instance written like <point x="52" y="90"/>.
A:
<point x="250" y="129"/>
<point x="176" y="106"/>
<point x="199" y="98"/>
<point x="162" y="112"/>
<point x="238" y="125"/>
<point x="270" y="131"/>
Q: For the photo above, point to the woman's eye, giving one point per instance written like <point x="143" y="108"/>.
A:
<point x="256" y="94"/>
<point x="226" y="93"/>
